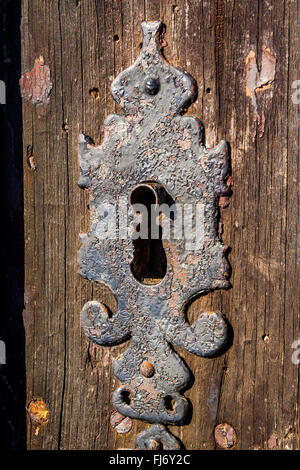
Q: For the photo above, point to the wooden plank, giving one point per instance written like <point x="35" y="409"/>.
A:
<point x="255" y="385"/>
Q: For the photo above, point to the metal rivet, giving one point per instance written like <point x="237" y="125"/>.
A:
<point x="225" y="436"/>
<point x="38" y="411"/>
<point x="152" y="444"/>
<point x="120" y="423"/>
<point x="147" y="369"/>
<point x="152" y="85"/>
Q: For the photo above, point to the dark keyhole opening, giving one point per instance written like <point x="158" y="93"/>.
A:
<point x="126" y="395"/>
<point x="149" y="265"/>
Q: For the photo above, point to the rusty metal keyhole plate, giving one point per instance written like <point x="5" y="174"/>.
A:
<point x="153" y="147"/>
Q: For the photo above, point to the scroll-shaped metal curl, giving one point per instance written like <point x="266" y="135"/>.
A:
<point x="100" y="327"/>
<point x="157" y="437"/>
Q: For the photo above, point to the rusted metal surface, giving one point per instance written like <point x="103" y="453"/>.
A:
<point x="153" y="148"/>
<point x="157" y="437"/>
<point x="121" y="424"/>
<point x="36" y="85"/>
<point x="38" y="411"/>
<point x="225" y="436"/>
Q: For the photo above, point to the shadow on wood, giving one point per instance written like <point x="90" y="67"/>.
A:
<point x="12" y="373"/>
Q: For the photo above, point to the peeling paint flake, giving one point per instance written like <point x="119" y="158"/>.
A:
<point x="36" y="85"/>
<point x="267" y="74"/>
<point x="257" y="82"/>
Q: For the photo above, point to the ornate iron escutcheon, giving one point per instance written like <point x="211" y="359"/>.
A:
<point x="153" y="157"/>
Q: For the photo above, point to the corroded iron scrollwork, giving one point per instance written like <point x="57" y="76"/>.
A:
<point x="153" y="153"/>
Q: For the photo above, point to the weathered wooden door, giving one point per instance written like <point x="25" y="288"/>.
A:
<point x="245" y="58"/>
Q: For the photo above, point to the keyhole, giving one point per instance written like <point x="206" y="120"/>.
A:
<point x="149" y="265"/>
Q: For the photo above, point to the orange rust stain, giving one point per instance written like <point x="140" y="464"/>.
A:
<point x="38" y="411"/>
<point x="31" y="162"/>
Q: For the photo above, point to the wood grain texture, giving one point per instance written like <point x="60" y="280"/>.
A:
<point x="255" y="385"/>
